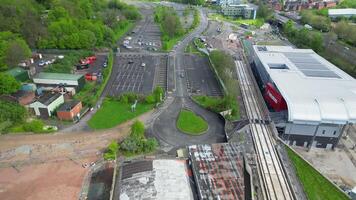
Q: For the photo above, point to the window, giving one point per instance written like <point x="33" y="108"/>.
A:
<point x="277" y="66"/>
<point x="334" y="133"/>
<point x="323" y="132"/>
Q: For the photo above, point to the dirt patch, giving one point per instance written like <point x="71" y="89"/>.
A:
<point x="53" y="180"/>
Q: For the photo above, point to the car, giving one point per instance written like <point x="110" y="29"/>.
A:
<point x="131" y="61"/>
<point x="60" y="56"/>
<point x="105" y="64"/>
<point x="41" y="63"/>
<point x="182" y="75"/>
<point x="143" y="65"/>
<point x="80" y="67"/>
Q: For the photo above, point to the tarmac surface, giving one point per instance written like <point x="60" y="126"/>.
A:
<point x="129" y="74"/>
<point x="164" y="127"/>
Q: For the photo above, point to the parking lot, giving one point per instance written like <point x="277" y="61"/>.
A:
<point x="200" y="78"/>
<point x="95" y="67"/>
<point x="145" y="36"/>
<point x="138" y="73"/>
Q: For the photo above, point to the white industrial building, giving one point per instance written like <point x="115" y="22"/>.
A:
<point x="246" y="11"/>
<point x="345" y="12"/>
<point x="318" y="100"/>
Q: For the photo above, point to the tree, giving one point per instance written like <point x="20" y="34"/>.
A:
<point x="13" y="50"/>
<point x="111" y="151"/>
<point x="137" y="129"/>
<point x="158" y="94"/>
<point x="264" y="11"/>
<point x="12" y="112"/>
<point x="8" y="84"/>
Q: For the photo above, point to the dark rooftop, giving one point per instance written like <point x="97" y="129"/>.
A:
<point x="218" y="171"/>
<point x="68" y="106"/>
<point x="20" y="93"/>
<point x="48" y="98"/>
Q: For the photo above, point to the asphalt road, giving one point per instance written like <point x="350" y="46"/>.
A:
<point x="164" y="124"/>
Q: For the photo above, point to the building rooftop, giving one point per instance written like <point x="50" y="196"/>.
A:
<point x="315" y="90"/>
<point x="155" y="179"/>
<point x="57" y="76"/>
<point x="218" y="171"/>
<point x="342" y="11"/>
<point x="68" y="106"/>
<point x="48" y="97"/>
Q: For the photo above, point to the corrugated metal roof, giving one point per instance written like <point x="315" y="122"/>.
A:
<point x="218" y="171"/>
<point x="315" y="90"/>
<point x="58" y="76"/>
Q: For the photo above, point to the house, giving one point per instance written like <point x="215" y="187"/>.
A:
<point x="69" y="82"/>
<point x="45" y="106"/>
<point x="24" y="97"/>
<point x="69" y="110"/>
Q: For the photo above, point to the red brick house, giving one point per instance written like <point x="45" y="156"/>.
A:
<point x="69" y="110"/>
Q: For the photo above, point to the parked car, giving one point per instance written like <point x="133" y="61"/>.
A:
<point x="131" y="61"/>
<point x="81" y="67"/>
<point x="143" y="65"/>
<point x="41" y="63"/>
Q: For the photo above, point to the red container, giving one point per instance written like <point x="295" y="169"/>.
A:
<point x="274" y="98"/>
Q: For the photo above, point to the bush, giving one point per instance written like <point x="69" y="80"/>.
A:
<point x="136" y="142"/>
<point x="111" y="151"/>
<point x="150" y="99"/>
<point x="35" y="126"/>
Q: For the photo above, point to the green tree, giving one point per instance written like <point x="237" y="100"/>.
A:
<point x="12" y="112"/>
<point x="137" y="130"/>
<point x="12" y="50"/>
<point x="8" y="84"/>
<point x="158" y="94"/>
<point x="111" y="151"/>
<point x="264" y="11"/>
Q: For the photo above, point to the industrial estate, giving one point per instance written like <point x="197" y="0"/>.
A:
<point x="181" y="99"/>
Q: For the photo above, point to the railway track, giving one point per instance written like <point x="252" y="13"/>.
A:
<point x="273" y="178"/>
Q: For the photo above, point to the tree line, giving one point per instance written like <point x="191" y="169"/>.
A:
<point x="62" y="24"/>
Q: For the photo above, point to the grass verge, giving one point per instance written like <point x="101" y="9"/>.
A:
<point x="315" y="185"/>
<point x="113" y="113"/>
<point x="252" y="22"/>
<point x="218" y="104"/>
<point x="122" y="28"/>
<point x="190" y="123"/>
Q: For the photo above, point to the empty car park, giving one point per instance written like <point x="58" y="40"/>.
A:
<point x="137" y="73"/>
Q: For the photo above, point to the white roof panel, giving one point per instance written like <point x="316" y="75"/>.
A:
<point x="315" y="90"/>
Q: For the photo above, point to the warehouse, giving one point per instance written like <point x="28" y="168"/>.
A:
<point x="312" y="101"/>
<point x="70" y="82"/>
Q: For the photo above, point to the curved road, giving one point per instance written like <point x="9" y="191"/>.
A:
<point x="164" y="125"/>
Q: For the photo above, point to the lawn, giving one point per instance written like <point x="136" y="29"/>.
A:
<point x="190" y="123"/>
<point x="113" y="113"/>
<point x="252" y="22"/>
<point x="315" y="185"/>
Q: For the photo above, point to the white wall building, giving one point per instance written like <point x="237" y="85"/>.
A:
<point x="320" y="98"/>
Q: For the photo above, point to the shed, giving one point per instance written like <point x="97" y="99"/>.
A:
<point x="24" y="97"/>
<point x="45" y="106"/>
<point x="48" y="81"/>
<point x="69" y="110"/>
<point x="18" y="73"/>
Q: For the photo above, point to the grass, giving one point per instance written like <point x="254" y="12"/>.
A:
<point x="113" y="113"/>
<point x="123" y="28"/>
<point x="190" y="48"/>
<point x="190" y="123"/>
<point x="218" y="104"/>
<point x="315" y="185"/>
<point x="252" y="22"/>
<point x="199" y="43"/>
